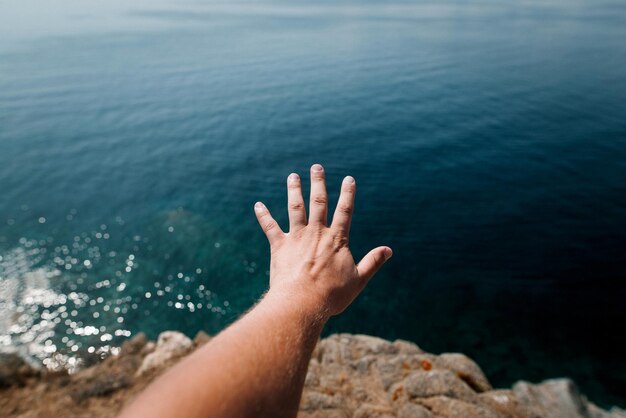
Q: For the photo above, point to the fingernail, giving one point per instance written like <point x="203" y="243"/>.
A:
<point x="317" y="167"/>
<point x="349" y="179"/>
<point x="258" y="206"/>
<point x="293" y="177"/>
<point x="388" y="253"/>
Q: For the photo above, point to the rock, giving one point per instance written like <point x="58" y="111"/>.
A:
<point x="333" y="350"/>
<point x="596" y="412"/>
<point x="453" y="408"/>
<point x="327" y="413"/>
<point x="615" y="412"/>
<point x="148" y="348"/>
<point x="552" y="395"/>
<point x="349" y="376"/>
<point x="373" y="411"/>
<point x="506" y="404"/>
<point x="201" y="338"/>
<point x="317" y="400"/>
<point x="344" y="348"/>
<point x="14" y="370"/>
<point x="466" y="369"/>
<point x="410" y="410"/>
<point x="101" y="386"/>
<point x="170" y="344"/>
<point x="366" y="344"/>
<point x="312" y="375"/>
<point x="362" y="365"/>
<point x="389" y="372"/>
<point x="437" y="383"/>
<point x="407" y="347"/>
<point x="560" y="398"/>
<point x="135" y="345"/>
<point x="394" y="368"/>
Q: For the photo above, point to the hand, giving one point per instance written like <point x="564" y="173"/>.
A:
<point x="312" y="264"/>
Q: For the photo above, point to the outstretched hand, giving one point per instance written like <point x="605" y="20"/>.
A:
<point x="312" y="265"/>
<point x="257" y="366"/>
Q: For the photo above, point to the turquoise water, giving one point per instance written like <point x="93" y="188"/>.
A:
<point x="488" y="141"/>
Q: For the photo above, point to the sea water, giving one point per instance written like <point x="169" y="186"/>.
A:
<point x="488" y="141"/>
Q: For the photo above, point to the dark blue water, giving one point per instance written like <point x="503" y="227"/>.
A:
<point x="488" y="141"/>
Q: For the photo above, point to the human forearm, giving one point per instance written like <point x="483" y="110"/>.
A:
<point x="287" y="332"/>
<point x="269" y="350"/>
<point x="256" y="367"/>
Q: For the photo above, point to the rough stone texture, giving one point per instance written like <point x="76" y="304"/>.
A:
<point x="349" y="376"/>
<point x="465" y="369"/>
<point x="504" y="402"/>
<point x="410" y="410"/>
<point x="201" y="338"/>
<point x="136" y="344"/>
<point x="561" y="395"/>
<point x="170" y="344"/>
<point x="444" y="406"/>
<point x="14" y="370"/>
<point x="424" y="384"/>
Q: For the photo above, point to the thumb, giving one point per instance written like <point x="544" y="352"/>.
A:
<point x="373" y="261"/>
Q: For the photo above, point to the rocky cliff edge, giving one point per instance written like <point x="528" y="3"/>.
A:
<point x="349" y="376"/>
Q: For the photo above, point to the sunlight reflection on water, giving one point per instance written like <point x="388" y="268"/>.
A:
<point x="62" y="303"/>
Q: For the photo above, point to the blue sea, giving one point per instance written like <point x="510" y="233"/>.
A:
<point x="488" y="141"/>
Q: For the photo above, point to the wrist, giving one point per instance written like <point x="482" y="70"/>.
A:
<point x="303" y="307"/>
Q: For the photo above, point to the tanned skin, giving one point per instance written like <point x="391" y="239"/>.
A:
<point x="256" y="367"/>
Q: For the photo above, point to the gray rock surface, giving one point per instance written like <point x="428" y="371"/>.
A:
<point x="424" y="384"/>
<point x="465" y="369"/>
<point x="170" y="344"/>
<point x="410" y="410"/>
<point x="14" y="370"/>
<point x="349" y="376"/>
<point x="363" y="376"/>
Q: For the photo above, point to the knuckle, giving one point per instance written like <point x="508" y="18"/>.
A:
<point x="320" y="199"/>
<point x="345" y="208"/>
<point x="341" y="241"/>
<point x="299" y="205"/>
<point x="269" y="225"/>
